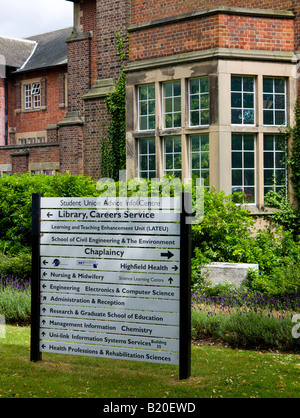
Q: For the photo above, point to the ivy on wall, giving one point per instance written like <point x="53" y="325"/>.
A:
<point x="289" y="213"/>
<point x="113" y="149"/>
<point x="294" y="156"/>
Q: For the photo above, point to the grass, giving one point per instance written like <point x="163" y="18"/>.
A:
<point x="217" y="372"/>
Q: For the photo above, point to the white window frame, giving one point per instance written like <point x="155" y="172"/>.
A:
<point x="173" y="97"/>
<point x="173" y="153"/>
<point x="147" y="102"/>
<point x="243" y="186"/>
<point x="274" y="94"/>
<point x="32" y="95"/>
<point x="274" y="151"/>
<point x="148" y="154"/>
<point x="200" y="153"/>
<point x="190" y="95"/>
<point x="242" y="108"/>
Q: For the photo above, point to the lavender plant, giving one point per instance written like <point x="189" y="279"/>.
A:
<point x="15" y="299"/>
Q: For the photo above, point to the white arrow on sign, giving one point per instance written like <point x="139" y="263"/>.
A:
<point x="109" y="215"/>
<point x="107" y="314"/>
<point x="109" y="252"/>
<point x="111" y="265"/>
<point x="155" y="305"/>
<point x="97" y="289"/>
<point x="110" y="352"/>
<point x="118" y="340"/>
<point x="111" y="277"/>
<point x="110" y="327"/>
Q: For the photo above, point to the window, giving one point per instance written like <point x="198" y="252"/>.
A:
<point x="274" y="163"/>
<point x="147" y="158"/>
<point x="146" y="100"/>
<point x="242" y="100"/>
<point x="172" y="156"/>
<point x="274" y="99"/>
<point x="32" y="96"/>
<point x="243" y="165"/>
<point x="32" y="138"/>
<point x="199" y="101"/>
<point x="172" y="104"/>
<point x="199" y="157"/>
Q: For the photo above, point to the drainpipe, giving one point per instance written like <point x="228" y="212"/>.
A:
<point x="6" y="112"/>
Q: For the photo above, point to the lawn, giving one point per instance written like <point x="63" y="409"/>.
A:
<point x="217" y="372"/>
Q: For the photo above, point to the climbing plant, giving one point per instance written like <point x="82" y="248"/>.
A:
<point x="113" y="149"/>
<point x="294" y="157"/>
<point x="289" y="214"/>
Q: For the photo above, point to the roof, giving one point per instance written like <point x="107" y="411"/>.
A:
<point x="51" y="50"/>
<point x="16" y="51"/>
<point x="36" y="52"/>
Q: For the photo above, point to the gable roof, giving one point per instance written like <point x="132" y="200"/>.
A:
<point x="16" y="51"/>
<point x="36" y="52"/>
<point x="51" y="50"/>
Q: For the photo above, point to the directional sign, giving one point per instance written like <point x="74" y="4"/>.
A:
<point x="109" y="215"/>
<point x="148" y="292"/>
<point x="110" y="252"/>
<point x="107" y="301"/>
<point x="117" y="340"/>
<point x="111" y="265"/>
<point x="112" y="240"/>
<point x="110" y="327"/>
<point x="153" y="228"/>
<point x="140" y="278"/>
<point x="107" y="314"/>
<point x="161" y="203"/>
<point x="107" y="279"/>
<point x="112" y="352"/>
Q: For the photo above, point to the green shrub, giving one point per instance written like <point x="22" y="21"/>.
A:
<point x="226" y="235"/>
<point x="18" y="266"/>
<point x="15" y="203"/>
<point x="15" y="305"/>
<point x="245" y="329"/>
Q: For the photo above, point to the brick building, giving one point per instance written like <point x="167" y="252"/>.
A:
<point x="209" y="85"/>
<point x="32" y="101"/>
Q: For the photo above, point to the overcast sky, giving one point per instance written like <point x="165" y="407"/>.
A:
<point x="23" y="18"/>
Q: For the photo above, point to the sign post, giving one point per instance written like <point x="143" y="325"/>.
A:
<point x="35" y="354"/>
<point x="111" y="279"/>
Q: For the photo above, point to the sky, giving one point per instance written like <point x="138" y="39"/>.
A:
<point x="23" y="18"/>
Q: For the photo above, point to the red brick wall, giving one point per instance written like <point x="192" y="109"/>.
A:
<point x="112" y="17"/>
<point x="145" y="11"/>
<point x="88" y="21"/>
<point x="32" y="121"/>
<point x="21" y="157"/>
<point x="256" y="33"/>
<point x="71" y="149"/>
<point x="95" y="129"/>
<point x="79" y="73"/>
<point x="220" y="30"/>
